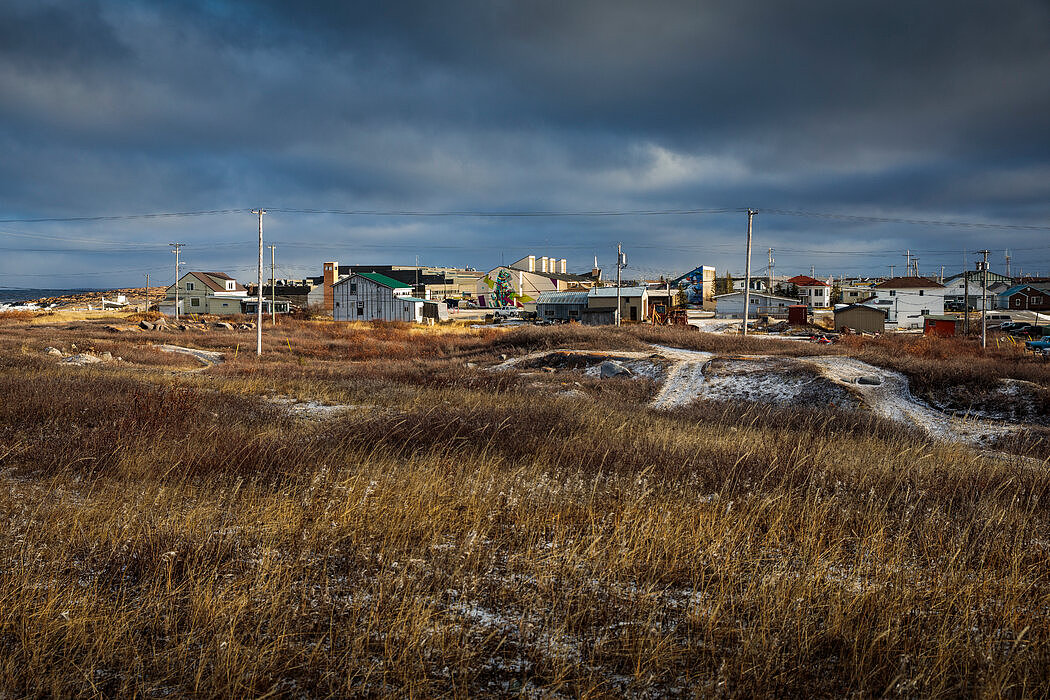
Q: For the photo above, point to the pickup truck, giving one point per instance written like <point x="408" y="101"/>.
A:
<point x="1030" y="332"/>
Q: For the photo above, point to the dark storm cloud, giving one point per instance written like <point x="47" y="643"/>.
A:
<point x="928" y="110"/>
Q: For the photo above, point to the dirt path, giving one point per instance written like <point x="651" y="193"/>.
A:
<point x="891" y="398"/>
<point x="207" y="358"/>
<point x="685" y="378"/>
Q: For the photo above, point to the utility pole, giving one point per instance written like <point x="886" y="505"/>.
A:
<point x="941" y="280"/>
<point x="621" y="262"/>
<point x="1007" y="263"/>
<point x="175" y="249"/>
<point x="907" y="256"/>
<point x="966" y="300"/>
<point x="812" y="270"/>
<point x="891" y="270"/>
<point x="273" y="291"/>
<point x="747" y="269"/>
<point x="769" y="281"/>
<point x="147" y="292"/>
<point x="984" y="299"/>
<point x="258" y="310"/>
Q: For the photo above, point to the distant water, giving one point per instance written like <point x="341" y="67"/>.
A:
<point x="16" y="296"/>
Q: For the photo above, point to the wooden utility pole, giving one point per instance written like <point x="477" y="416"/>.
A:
<point x="984" y="299"/>
<point x="747" y="270"/>
<point x="273" y="291"/>
<point x="176" y="247"/>
<point x="258" y="310"/>
<point x="966" y="300"/>
<point x="147" y="292"/>
<point x="769" y="271"/>
<point x="619" y="266"/>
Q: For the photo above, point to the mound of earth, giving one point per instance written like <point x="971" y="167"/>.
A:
<point x="775" y="380"/>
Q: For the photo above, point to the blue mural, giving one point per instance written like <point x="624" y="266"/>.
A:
<point x="692" y="285"/>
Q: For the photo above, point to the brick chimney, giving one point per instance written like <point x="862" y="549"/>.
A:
<point x="331" y="275"/>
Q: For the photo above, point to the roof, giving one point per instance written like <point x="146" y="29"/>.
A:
<point x="562" y="297"/>
<point x="1041" y="288"/>
<point x="207" y="279"/>
<point x="909" y="283"/>
<point x="624" y="291"/>
<point x="381" y="280"/>
<point x="939" y="317"/>
<point x="806" y="281"/>
<point x="884" y="312"/>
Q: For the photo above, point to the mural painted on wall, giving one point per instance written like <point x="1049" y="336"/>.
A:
<point x="503" y="291"/>
<point x="692" y="285"/>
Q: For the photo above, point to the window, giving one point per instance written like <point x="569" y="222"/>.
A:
<point x="893" y="292"/>
<point x="360" y="308"/>
<point x="225" y="304"/>
<point x="195" y="301"/>
<point x="230" y="285"/>
<point x="1037" y="300"/>
<point x="925" y="312"/>
<point x="189" y="286"/>
<point x="353" y="287"/>
<point x="337" y="304"/>
<point x="922" y="292"/>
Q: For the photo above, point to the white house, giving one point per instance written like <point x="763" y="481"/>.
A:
<point x="955" y="288"/>
<point x="370" y="296"/>
<point x="907" y="300"/>
<point x="205" y="293"/>
<point x="813" y="293"/>
<point x="732" y="305"/>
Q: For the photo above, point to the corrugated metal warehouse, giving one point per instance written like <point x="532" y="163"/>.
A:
<point x="561" y="306"/>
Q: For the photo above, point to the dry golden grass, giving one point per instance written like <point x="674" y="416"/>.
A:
<point x="458" y="534"/>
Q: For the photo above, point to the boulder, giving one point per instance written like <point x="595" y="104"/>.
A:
<point x="224" y="325"/>
<point x="107" y="356"/>
<point x="611" y="368"/>
<point x="55" y="352"/>
<point x="870" y="380"/>
<point x="146" y="325"/>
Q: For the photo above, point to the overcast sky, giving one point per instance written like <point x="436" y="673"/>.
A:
<point x="936" y="111"/>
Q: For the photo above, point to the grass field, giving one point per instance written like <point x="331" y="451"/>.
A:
<point x="446" y="530"/>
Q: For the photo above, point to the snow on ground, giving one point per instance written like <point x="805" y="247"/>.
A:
<point x="684" y="383"/>
<point x="892" y="399"/>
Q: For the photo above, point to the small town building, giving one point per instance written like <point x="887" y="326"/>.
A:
<point x="562" y="306"/>
<point x="907" y="300"/>
<point x="636" y="303"/>
<point x="760" y="304"/>
<point x="812" y="292"/>
<point x="860" y="318"/>
<point x="521" y="283"/>
<point x="698" y="286"/>
<point x="205" y="293"/>
<point x="370" y="296"/>
<point x="957" y="287"/>
<point x="945" y="326"/>
<point x="798" y="314"/>
<point x="1025" y="297"/>
<point x="280" y="306"/>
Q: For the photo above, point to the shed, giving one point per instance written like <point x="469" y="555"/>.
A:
<point x="861" y="317"/>
<point x="561" y="306"/>
<point x="945" y="326"/>
<point x="798" y="314"/>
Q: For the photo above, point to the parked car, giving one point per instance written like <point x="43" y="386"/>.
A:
<point x="1039" y="345"/>
<point x="1031" y="332"/>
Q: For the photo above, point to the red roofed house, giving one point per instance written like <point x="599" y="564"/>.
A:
<point x="813" y="293"/>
